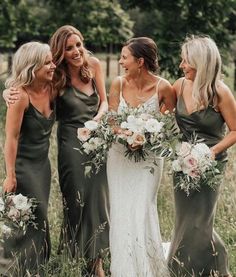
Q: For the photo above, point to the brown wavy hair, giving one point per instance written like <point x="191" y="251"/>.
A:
<point x="58" y="44"/>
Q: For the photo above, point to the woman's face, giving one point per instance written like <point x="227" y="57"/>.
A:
<point x="74" y="51"/>
<point x="189" y="72"/>
<point x="128" y="61"/>
<point x="45" y="73"/>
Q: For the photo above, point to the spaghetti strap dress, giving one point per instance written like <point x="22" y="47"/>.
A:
<point x="85" y="225"/>
<point x="33" y="174"/>
<point x="196" y="248"/>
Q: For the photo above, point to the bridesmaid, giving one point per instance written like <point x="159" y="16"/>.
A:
<point x="205" y="105"/>
<point x="29" y="123"/>
<point x="79" y="83"/>
<point x="82" y="96"/>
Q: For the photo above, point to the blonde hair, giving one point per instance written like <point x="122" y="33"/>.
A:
<point x="202" y="54"/>
<point x="28" y="58"/>
<point x="58" y="44"/>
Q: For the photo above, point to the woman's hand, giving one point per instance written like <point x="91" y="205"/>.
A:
<point x="10" y="95"/>
<point x="98" y="117"/>
<point x="9" y="184"/>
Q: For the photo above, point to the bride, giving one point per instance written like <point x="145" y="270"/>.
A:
<point x="135" y="239"/>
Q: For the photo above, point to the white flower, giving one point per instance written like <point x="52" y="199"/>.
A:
<point x="183" y="149"/>
<point x="6" y="230"/>
<point x="135" y="124"/>
<point x="88" y="147"/>
<point x="96" y="141"/>
<point x="124" y="125"/>
<point x="2" y="205"/>
<point x="14" y="213"/>
<point x="153" y="126"/>
<point x="201" y="150"/>
<point x="92" y="144"/>
<point x="145" y="116"/>
<point x="91" y="125"/>
<point x="176" y="165"/>
<point x="83" y="134"/>
<point x="21" y="202"/>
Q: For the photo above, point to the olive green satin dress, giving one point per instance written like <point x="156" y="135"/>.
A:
<point x="85" y="226"/>
<point x="196" y="249"/>
<point x="33" y="174"/>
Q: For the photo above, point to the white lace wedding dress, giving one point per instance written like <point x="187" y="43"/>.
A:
<point x="135" y="239"/>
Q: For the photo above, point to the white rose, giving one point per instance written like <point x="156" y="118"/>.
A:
<point x="124" y="125"/>
<point x="176" y="166"/>
<point x="201" y="150"/>
<point x="153" y="126"/>
<point x="131" y="119"/>
<point x="6" y="230"/>
<point x="91" y="125"/>
<point x="135" y="124"/>
<point x="87" y="147"/>
<point x="83" y="134"/>
<point x="183" y="149"/>
<point x="20" y="201"/>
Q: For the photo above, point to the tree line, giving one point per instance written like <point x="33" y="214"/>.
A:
<point x="106" y="24"/>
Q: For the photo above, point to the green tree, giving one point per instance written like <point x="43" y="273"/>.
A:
<point x="102" y="22"/>
<point x="8" y="23"/>
<point x="21" y="21"/>
<point x="176" y="18"/>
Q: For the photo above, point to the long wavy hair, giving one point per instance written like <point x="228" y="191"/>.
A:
<point x="202" y="54"/>
<point x="58" y="42"/>
<point x="30" y="57"/>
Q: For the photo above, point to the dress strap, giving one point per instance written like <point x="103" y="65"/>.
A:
<point x="27" y="94"/>
<point x="157" y="85"/>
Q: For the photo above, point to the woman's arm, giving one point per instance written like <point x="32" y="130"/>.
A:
<point x="100" y="84"/>
<point x="167" y="96"/>
<point x="114" y="94"/>
<point x="227" y="107"/>
<point x="14" y="118"/>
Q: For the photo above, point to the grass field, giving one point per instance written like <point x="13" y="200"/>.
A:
<point x="225" y="222"/>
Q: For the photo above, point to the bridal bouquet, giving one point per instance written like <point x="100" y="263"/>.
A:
<point x="194" y="162"/>
<point x="96" y="138"/>
<point x="16" y="212"/>
<point x="143" y="132"/>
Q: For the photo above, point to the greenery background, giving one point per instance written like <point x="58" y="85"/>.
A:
<point x="105" y="25"/>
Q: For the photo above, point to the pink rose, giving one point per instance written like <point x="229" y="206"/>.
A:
<point x="83" y="134"/>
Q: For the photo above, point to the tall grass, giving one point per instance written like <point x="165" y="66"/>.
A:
<point x="225" y="222"/>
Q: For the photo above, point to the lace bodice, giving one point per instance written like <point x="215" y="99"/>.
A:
<point x="151" y="104"/>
